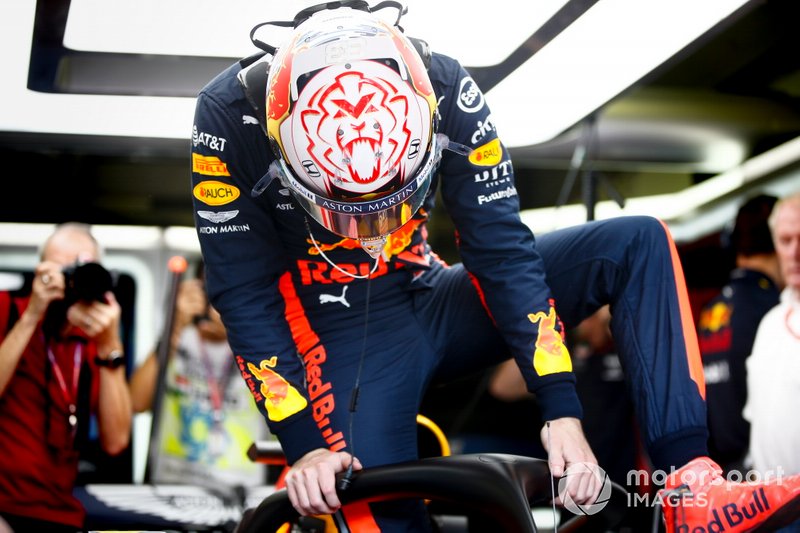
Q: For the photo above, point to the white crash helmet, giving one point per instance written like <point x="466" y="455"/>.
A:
<point x="350" y="116"/>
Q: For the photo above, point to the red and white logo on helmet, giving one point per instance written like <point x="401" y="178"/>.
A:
<point x="350" y="106"/>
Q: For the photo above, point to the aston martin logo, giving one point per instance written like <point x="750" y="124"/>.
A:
<point x="218" y="218"/>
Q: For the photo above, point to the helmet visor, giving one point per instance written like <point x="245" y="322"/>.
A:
<point x="369" y="219"/>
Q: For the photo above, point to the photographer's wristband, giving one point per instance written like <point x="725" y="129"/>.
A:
<point x="114" y="359"/>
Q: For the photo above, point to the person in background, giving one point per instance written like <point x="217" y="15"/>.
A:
<point x="773" y="369"/>
<point x="61" y="361"/>
<point x="311" y="213"/>
<point x="208" y="418"/>
<point x="727" y="327"/>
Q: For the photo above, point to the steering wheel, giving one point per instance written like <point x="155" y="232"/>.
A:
<point x="501" y="486"/>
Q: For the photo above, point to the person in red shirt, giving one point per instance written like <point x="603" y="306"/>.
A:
<point x="60" y="362"/>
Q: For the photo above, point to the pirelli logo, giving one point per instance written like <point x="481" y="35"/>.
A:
<point x="209" y="165"/>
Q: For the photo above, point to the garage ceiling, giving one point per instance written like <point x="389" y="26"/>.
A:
<point x="730" y="96"/>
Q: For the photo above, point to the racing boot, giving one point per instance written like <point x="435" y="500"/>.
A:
<point x="699" y="499"/>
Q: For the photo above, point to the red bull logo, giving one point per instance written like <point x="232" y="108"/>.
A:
<point x="315" y="355"/>
<point x="732" y="516"/>
<point x="401" y="238"/>
<point x="419" y="75"/>
<point x="312" y="272"/>
<point x="344" y="244"/>
<point x="279" y="100"/>
<point x="550" y="356"/>
<point x="396" y="242"/>
<point x="280" y="398"/>
<point x="323" y="402"/>
<point x="716" y="318"/>
<point x="720" y="341"/>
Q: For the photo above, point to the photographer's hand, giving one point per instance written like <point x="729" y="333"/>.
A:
<point x="99" y="321"/>
<point x="48" y="285"/>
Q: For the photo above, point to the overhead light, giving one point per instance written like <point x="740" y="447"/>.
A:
<point x="610" y="47"/>
<point x="127" y="237"/>
<point x="25" y="234"/>
<point x="691" y="212"/>
<point x="173" y="27"/>
<point x="157" y="27"/>
<point x="469" y="30"/>
<point x="27" y="111"/>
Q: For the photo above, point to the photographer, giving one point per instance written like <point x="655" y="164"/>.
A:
<point x="60" y="362"/>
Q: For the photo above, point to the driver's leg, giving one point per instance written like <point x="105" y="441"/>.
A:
<point x="632" y="264"/>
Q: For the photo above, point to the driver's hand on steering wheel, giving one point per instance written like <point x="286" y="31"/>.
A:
<point x="566" y="445"/>
<point x="311" y="481"/>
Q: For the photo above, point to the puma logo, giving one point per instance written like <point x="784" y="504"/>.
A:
<point x="329" y="298"/>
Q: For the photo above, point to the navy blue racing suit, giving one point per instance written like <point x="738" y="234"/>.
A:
<point x="297" y="323"/>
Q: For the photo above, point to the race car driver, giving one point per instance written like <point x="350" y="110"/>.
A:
<point x="312" y="215"/>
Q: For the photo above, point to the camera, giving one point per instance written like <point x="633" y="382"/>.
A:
<point x="83" y="282"/>
<point x="86" y="282"/>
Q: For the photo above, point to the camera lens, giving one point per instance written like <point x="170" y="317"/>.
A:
<point x="87" y="282"/>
